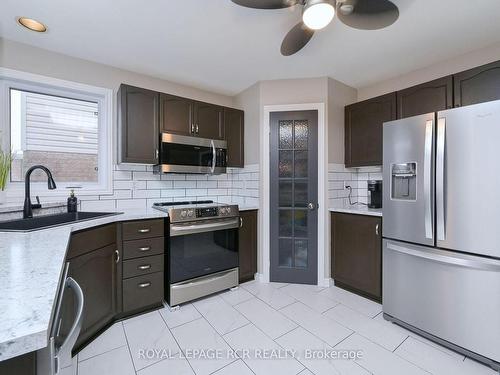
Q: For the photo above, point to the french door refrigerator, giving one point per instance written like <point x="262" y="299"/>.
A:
<point x="441" y="212"/>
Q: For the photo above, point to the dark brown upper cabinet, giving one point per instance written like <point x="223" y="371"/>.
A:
<point x="138" y="118"/>
<point x="478" y="85"/>
<point x="176" y="115"/>
<point x="357" y="253"/>
<point x="248" y="245"/>
<point x="363" y="129"/>
<point x="234" y="126"/>
<point x="428" y="97"/>
<point x="208" y="120"/>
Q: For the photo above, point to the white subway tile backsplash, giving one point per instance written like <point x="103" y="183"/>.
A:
<point x="171" y="193"/>
<point x="146" y="193"/>
<point x="207" y="184"/>
<point x="125" y="204"/>
<point x="159" y="185"/>
<point x="122" y="175"/>
<point x="147" y="175"/>
<point x="184" y="184"/>
<point x="136" y="186"/>
<point x="357" y="178"/>
<point x="98" y="206"/>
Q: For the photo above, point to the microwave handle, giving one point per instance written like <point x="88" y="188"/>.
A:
<point x="214" y="157"/>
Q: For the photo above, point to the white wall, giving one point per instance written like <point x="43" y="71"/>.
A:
<point x="249" y="101"/>
<point x="444" y="68"/>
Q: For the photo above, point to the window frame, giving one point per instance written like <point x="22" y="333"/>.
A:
<point x="12" y="79"/>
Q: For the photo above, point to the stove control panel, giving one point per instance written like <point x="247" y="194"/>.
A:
<point x="202" y="213"/>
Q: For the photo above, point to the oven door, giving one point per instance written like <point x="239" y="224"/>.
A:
<point x="182" y="154"/>
<point x="203" y="247"/>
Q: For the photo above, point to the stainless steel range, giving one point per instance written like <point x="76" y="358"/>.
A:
<point x="202" y="250"/>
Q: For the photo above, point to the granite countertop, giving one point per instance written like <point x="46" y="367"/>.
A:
<point x="358" y="210"/>
<point x="31" y="265"/>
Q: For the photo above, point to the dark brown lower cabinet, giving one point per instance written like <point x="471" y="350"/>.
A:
<point x="98" y="273"/>
<point x="357" y="253"/>
<point x="248" y="245"/>
<point x="22" y="365"/>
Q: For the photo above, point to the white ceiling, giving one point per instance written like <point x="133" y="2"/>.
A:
<point x="216" y="45"/>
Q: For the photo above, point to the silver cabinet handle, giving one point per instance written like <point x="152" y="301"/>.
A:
<point x="144" y="267"/>
<point x="117" y="256"/>
<point x="145" y="230"/>
<point x="311" y="206"/>
<point x="156" y="153"/>
<point x="144" y="285"/>
<point x="241" y="222"/>
<point x="376" y="229"/>
<point x="192" y="128"/>
<point x="440" y="161"/>
<point x="429" y="134"/>
<point x="197" y="129"/>
<point x="145" y="248"/>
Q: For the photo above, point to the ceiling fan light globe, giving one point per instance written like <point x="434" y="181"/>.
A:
<point x="317" y="14"/>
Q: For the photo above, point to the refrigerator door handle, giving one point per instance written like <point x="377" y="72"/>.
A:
<point x="440" y="165"/>
<point x="429" y="128"/>
<point x="441" y="257"/>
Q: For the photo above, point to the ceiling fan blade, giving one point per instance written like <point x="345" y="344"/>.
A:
<point x="266" y="4"/>
<point x="296" y="39"/>
<point x="367" y="14"/>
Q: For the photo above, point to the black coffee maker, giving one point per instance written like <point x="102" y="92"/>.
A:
<point x="375" y="194"/>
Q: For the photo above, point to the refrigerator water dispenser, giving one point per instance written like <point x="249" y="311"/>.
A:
<point x="404" y="181"/>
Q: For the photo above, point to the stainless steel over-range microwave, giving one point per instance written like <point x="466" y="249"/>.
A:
<point x="185" y="154"/>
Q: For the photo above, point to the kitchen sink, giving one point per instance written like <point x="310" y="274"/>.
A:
<point x="42" y="222"/>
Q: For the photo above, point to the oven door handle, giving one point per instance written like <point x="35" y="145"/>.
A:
<point x="182" y="230"/>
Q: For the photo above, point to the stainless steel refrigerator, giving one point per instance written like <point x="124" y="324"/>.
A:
<point x="441" y="228"/>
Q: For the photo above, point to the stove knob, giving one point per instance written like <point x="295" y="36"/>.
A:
<point x="183" y="214"/>
<point x="190" y="213"/>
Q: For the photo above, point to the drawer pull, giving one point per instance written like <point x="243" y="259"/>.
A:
<point x="145" y="248"/>
<point x="144" y="230"/>
<point x="144" y="285"/>
<point x="144" y="267"/>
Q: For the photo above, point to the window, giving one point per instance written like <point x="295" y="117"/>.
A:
<point x="62" y="127"/>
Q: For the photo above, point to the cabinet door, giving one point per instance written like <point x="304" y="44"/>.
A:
<point x="234" y="129"/>
<point x="176" y="115"/>
<point x="478" y="85"/>
<point x="363" y="129"/>
<point x="428" y="97"/>
<point x="357" y="253"/>
<point x="209" y="120"/>
<point x="138" y="125"/>
<point x="248" y="245"/>
<point x="98" y="274"/>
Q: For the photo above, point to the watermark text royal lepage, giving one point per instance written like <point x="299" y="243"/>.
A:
<point x="264" y="354"/>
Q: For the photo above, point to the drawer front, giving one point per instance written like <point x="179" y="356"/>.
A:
<point x="142" y="291"/>
<point x="91" y="239"/>
<point x="134" y="230"/>
<point x="144" y="247"/>
<point x="142" y="266"/>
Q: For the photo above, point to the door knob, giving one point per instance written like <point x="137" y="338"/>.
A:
<point x="311" y="206"/>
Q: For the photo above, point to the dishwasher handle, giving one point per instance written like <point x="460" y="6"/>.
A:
<point x="63" y="352"/>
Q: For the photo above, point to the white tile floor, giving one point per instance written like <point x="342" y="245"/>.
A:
<point x="264" y="317"/>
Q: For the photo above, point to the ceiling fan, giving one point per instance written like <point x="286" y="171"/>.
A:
<point x="317" y="14"/>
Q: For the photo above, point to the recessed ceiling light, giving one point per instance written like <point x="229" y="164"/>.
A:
<point x="32" y="24"/>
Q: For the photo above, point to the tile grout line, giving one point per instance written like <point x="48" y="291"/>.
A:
<point x="177" y="342"/>
<point x="128" y="347"/>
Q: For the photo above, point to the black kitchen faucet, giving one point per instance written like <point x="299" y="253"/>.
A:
<point x="27" y="211"/>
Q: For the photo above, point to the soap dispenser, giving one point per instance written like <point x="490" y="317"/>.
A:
<point x="72" y="202"/>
